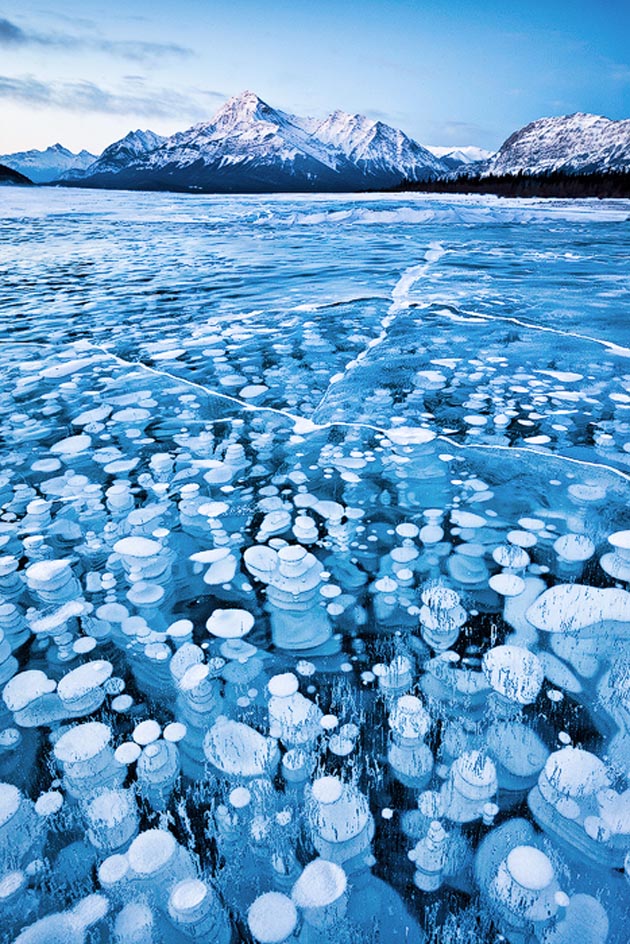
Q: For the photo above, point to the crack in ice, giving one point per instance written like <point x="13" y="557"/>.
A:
<point x="301" y="424"/>
<point x="496" y="447"/>
<point x="304" y="425"/>
<point x="616" y="349"/>
<point x="400" y="302"/>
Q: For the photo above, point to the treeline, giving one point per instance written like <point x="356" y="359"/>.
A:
<point x="553" y="184"/>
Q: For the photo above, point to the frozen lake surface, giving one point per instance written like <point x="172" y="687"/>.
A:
<point x="314" y="569"/>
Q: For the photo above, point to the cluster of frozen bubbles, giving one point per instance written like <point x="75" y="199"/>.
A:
<point x="266" y="682"/>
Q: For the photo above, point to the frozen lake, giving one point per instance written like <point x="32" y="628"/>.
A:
<point x="314" y="545"/>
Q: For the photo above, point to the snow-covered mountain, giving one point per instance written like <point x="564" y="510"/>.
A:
<point x="573" y="144"/>
<point x="250" y="147"/>
<point x="119" y="155"/>
<point x="377" y="147"/>
<point x="245" y="131"/>
<point x="460" y="156"/>
<point x="43" y="166"/>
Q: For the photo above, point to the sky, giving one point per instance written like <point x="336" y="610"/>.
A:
<point x="448" y="72"/>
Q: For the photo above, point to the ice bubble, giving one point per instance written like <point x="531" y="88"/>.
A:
<point x="408" y="718"/>
<point x="25" y="688"/>
<point x="327" y="789"/>
<point x="230" y="624"/>
<point x="283" y="686"/>
<point x="574" y="548"/>
<point x="122" y="703"/>
<point x="530" y="867"/>
<point x="146" y="732"/>
<point x="617" y="563"/>
<point x="47" y="573"/>
<point x="410" y="435"/>
<point x="175" y="731"/>
<point x="585" y="921"/>
<point x="76" y="689"/>
<point x="151" y="851"/>
<point x="137" y="547"/>
<point x="82" y="742"/>
<point x="10" y="800"/>
<point x="573" y="608"/>
<point x="513" y="672"/>
<point x="71" y="446"/>
<point x="236" y="749"/>
<point x="572" y="772"/>
<point x="127" y="753"/>
<point x="49" y="803"/>
<point x="320" y="884"/>
<point x="134" y="924"/>
<point x="272" y="918"/>
<point x="506" y="584"/>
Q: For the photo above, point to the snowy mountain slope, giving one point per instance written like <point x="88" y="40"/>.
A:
<point x="120" y="155"/>
<point x="578" y="143"/>
<point x="460" y="156"/>
<point x="376" y="147"/>
<point x="43" y="166"/>
<point x="248" y="146"/>
<point x="244" y="130"/>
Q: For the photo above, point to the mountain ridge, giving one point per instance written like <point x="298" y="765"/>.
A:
<point x="576" y="143"/>
<point x="47" y="165"/>
<point x="249" y="146"/>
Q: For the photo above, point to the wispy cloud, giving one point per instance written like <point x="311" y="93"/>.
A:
<point x="12" y="36"/>
<point x="136" y="98"/>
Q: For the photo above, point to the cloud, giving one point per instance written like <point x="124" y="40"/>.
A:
<point x="12" y="35"/>
<point x="134" y="99"/>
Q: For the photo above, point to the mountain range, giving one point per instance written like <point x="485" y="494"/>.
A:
<point x="462" y="156"/>
<point x="43" y="166"/>
<point x="250" y="147"/>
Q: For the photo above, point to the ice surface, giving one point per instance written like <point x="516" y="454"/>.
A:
<point x="314" y="569"/>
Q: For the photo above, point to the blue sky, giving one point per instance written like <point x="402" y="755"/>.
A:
<point x="453" y="73"/>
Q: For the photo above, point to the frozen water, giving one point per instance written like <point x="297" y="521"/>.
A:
<point x="314" y="569"/>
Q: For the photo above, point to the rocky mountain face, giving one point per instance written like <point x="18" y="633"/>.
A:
<point x="572" y="144"/>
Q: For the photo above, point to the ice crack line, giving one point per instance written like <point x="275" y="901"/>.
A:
<point x="617" y="349"/>
<point x="527" y="450"/>
<point x="303" y="425"/>
<point x="400" y="302"/>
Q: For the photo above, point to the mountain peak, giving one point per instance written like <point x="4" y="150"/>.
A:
<point x="247" y="97"/>
<point x="245" y="105"/>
